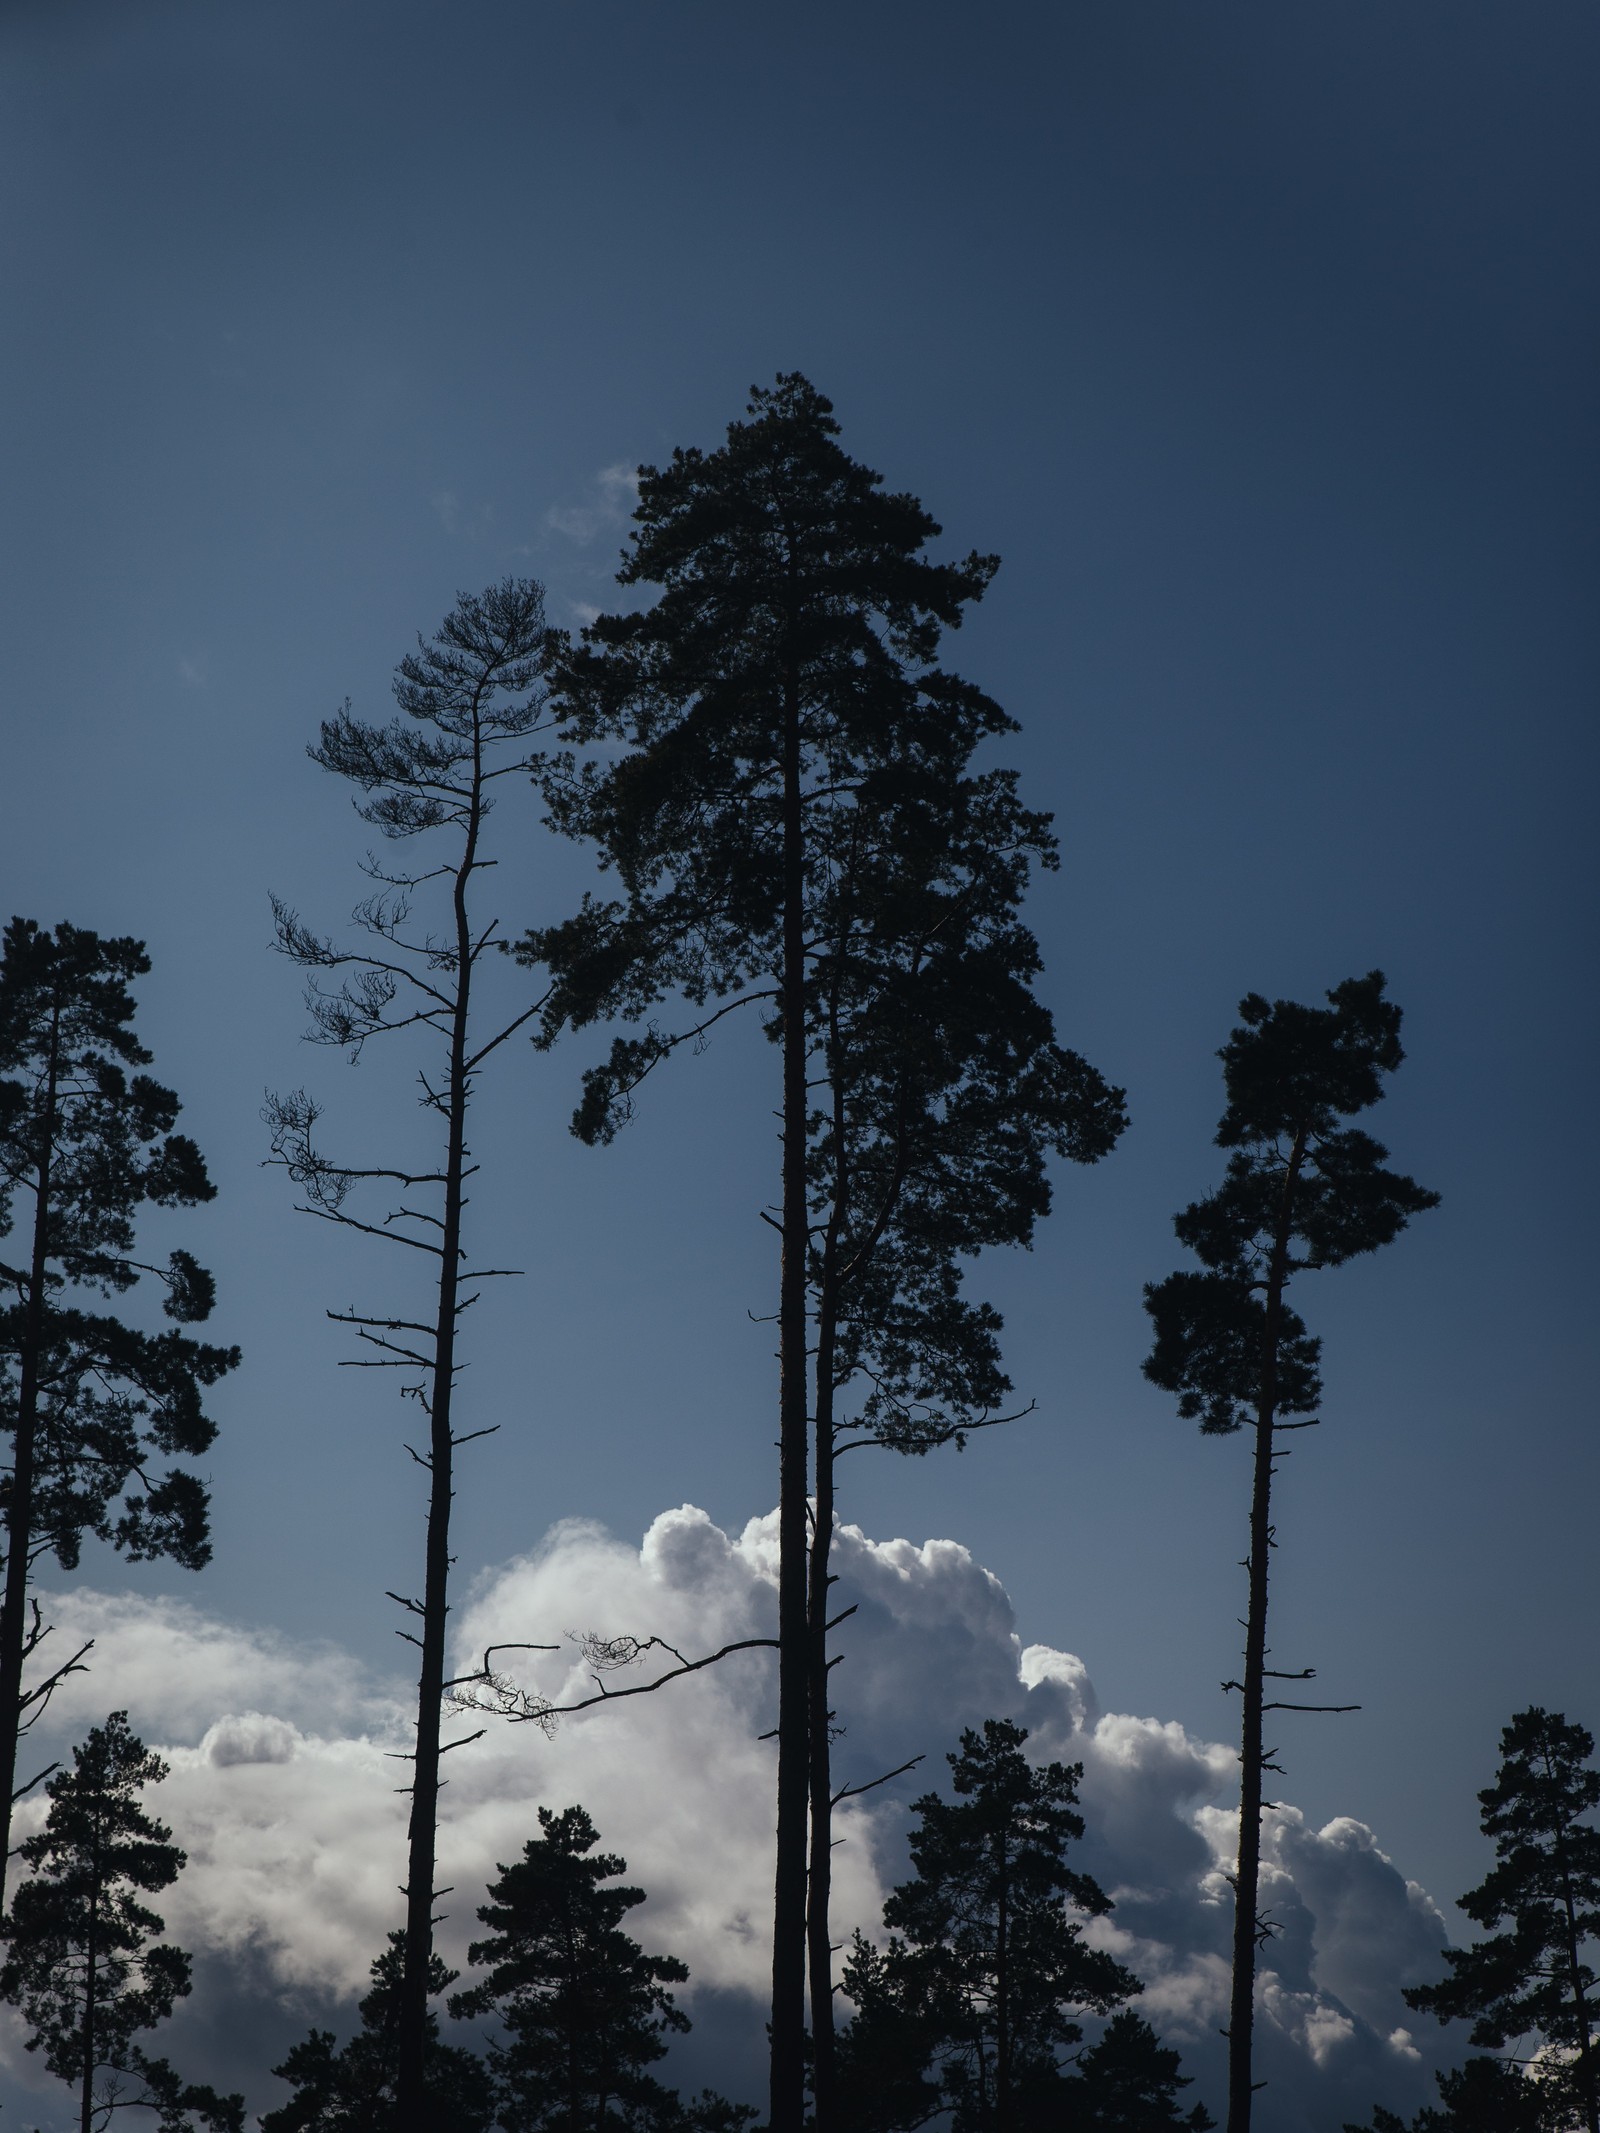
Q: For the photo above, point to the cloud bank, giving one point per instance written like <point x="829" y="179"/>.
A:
<point x="283" y="1792"/>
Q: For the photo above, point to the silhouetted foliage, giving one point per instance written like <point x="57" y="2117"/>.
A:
<point x="1531" y="1980"/>
<point x="351" y="2088"/>
<point x="1484" y="2096"/>
<point x="82" y="1960"/>
<point x="939" y="1094"/>
<point x="472" y="697"/>
<point x="586" y="2011"/>
<point x="1129" y="2083"/>
<point x="785" y="679"/>
<point x="1301" y="1191"/>
<point x="95" y="1408"/>
<point x="971" y="2006"/>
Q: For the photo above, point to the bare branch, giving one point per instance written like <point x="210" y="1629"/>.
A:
<point x="604" y="1655"/>
<point x="852" y="1792"/>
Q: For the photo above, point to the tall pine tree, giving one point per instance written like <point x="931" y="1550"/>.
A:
<point x="940" y="1094"/>
<point x="471" y="698"/>
<point x="787" y="676"/>
<point x="1302" y="1191"/>
<point x="95" y="1407"/>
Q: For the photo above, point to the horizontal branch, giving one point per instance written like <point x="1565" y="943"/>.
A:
<point x="521" y="1707"/>
<point x="1311" y="1707"/>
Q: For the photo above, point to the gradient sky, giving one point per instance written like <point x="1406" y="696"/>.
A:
<point x="1258" y="339"/>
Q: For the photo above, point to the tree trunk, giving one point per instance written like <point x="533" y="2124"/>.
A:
<point x="787" y="2094"/>
<point x="824" y="2078"/>
<point x="86" y="2090"/>
<point x="1247" y="1879"/>
<point x="19" y="1512"/>
<point x="1002" y="1995"/>
<point x="410" y="2103"/>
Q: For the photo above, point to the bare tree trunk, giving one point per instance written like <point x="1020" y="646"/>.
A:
<point x="1002" y="1998"/>
<point x="824" y="2074"/>
<point x="19" y="1511"/>
<point x="1247" y="1879"/>
<point x="86" y="2090"/>
<point x="410" y="2105"/>
<point x="787" y="2097"/>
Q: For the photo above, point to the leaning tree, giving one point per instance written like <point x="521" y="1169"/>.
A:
<point x="789" y="661"/>
<point x="95" y="1407"/>
<point x="1301" y="1191"/>
<point x="471" y="699"/>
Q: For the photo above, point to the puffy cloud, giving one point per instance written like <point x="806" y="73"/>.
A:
<point x="283" y="1792"/>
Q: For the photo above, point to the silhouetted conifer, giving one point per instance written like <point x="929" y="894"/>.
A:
<point x="82" y="1960"/>
<point x="940" y="1093"/>
<point x="1531" y="1980"/>
<point x="351" y="2088"/>
<point x="471" y="698"/>
<point x="92" y="1404"/>
<point x="1484" y="2096"/>
<point x="785" y="677"/>
<point x="1129" y="2083"/>
<point x="1301" y="1191"/>
<point x="586" y="2011"/>
<point x="972" y="2005"/>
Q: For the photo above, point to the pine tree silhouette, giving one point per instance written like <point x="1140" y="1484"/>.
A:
<point x="83" y="1962"/>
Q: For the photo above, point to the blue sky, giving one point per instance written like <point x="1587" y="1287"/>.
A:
<point x="1258" y="340"/>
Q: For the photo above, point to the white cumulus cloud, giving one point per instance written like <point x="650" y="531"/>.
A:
<point x="283" y="1791"/>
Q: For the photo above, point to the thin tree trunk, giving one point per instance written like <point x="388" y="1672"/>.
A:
<point x="824" y="2076"/>
<point x="1002" y="1999"/>
<point x="819" y="1931"/>
<point x="86" y="2092"/>
<point x="410" y="2112"/>
<point x="1247" y="1879"/>
<point x="787" y="2094"/>
<point x="19" y="1511"/>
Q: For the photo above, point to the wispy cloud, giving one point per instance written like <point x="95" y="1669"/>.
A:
<point x="194" y="670"/>
<point x="459" y="520"/>
<point x="613" y="495"/>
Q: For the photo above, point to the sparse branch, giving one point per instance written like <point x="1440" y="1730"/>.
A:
<point x="510" y="1030"/>
<point x="370" y="1229"/>
<point x="1311" y="1707"/>
<point x="604" y="1655"/>
<point x="854" y="1792"/>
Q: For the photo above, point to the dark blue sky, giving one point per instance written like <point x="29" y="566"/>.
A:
<point x="1259" y="340"/>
